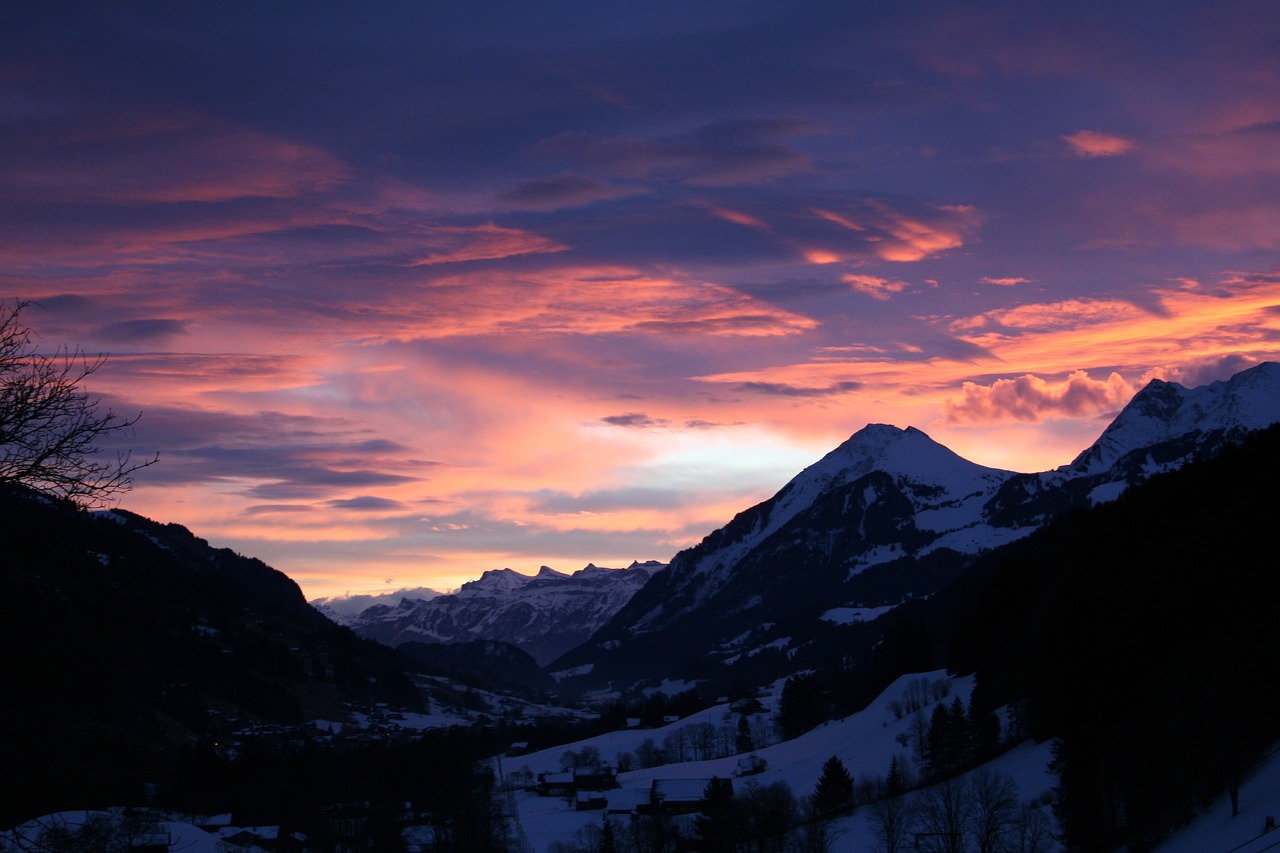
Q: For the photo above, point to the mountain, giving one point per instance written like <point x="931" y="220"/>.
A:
<point x="343" y="609"/>
<point x="545" y="614"/>
<point x="128" y="640"/>
<point x="888" y="516"/>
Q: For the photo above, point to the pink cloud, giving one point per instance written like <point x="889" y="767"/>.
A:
<point x="1032" y="399"/>
<point x="165" y="159"/>
<point x="1091" y="143"/>
<point x="914" y="239"/>
<point x="1011" y="281"/>
<point x="481" y="243"/>
<point x="874" y="286"/>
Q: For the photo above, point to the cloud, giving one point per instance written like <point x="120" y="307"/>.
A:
<point x="563" y="191"/>
<point x="1031" y="399"/>
<point x="1091" y="143"/>
<point x="723" y="153"/>
<point x="1012" y="281"/>
<point x="143" y="331"/>
<point x="455" y="244"/>
<point x="781" y="389"/>
<point x="1046" y="317"/>
<point x="163" y="158"/>
<point x="875" y="229"/>
<point x="366" y="502"/>
<point x="874" y="286"/>
<point x="635" y="419"/>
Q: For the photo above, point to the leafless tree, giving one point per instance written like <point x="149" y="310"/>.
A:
<point x="995" y="811"/>
<point x="50" y="428"/>
<point x="893" y="819"/>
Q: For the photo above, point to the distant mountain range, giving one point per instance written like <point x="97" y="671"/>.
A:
<point x="888" y="516"/>
<point x="545" y="614"/>
<point x="343" y="609"/>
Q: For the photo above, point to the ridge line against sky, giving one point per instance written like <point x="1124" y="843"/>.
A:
<point x="405" y="292"/>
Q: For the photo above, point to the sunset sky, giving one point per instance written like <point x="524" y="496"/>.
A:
<point x="408" y="291"/>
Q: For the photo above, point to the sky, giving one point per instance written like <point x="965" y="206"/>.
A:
<point x="404" y="292"/>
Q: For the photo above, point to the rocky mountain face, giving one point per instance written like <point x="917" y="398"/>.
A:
<point x="887" y="516"/>
<point x="544" y="614"/>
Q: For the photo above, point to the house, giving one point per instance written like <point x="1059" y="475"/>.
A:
<point x="555" y="784"/>
<point x="750" y="765"/>
<point x="600" y="778"/>
<point x="589" y="800"/>
<point x="747" y="706"/>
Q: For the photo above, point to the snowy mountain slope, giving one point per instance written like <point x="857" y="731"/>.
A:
<point x="879" y="465"/>
<point x="865" y="743"/>
<point x="343" y="609"/>
<point x="544" y="614"/>
<point x="1166" y="412"/>
<point x="887" y="516"/>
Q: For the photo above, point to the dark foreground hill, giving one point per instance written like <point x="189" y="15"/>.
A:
<point x="1141" y="634"/>
<point x="126" y="641"/>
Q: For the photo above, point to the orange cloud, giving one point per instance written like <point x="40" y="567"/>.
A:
<point x="874" y="286"/>
<point x="1032" y="399"/>
<point x="590" y="301"/>
<point x="1091" y="143"/>
<point x="1011" y="281"/>
<point x="915" y="239"/>
<point x="1044" y="317"/>
<point x="481" y="243"/>
<point x="737" y="217"/>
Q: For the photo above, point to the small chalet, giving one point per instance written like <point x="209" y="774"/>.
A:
<point x="590" y="800"/>
<point x="555" y="784"/>
<point x="595" y="778"/>
<point x="750" y="765"/>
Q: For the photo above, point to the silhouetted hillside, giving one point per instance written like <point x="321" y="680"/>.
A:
<point x="127" y="641"/>
<point x="1141" y="634"/>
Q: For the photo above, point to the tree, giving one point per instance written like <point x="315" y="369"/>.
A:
<point x="743" y="742"/>
<point x="50" y="428"/>
<point x="995" y="810"/>
<point x="944" y="812"/>
<point x="834" y="792"/>
<point x="717" y="825"/>
<point x="892" y="822"/>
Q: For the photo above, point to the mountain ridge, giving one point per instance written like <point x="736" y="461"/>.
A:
<point x="544" y="614"/>
<point x="888" y="515"/>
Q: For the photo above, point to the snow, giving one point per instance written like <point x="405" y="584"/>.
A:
<point x="848" y="615"/>
<point x="1106" y="492"/>
<point x="183" y="834"/>
<point x="1216" y="830"/>
<point x="865" y="742"/>
<point x="1166" y="410"/>
<point x="947" y="490"/>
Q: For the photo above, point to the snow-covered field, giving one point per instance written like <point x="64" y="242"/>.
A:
<point x="866" y="742"/>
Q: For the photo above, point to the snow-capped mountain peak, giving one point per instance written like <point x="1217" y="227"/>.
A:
<point x="544" y="614"/>
<point x="1165" y="411"/>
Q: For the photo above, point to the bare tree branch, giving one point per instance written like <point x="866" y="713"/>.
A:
<point x="50" y="429"/>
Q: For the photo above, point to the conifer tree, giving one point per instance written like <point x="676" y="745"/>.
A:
<point x="834" y="792"/>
